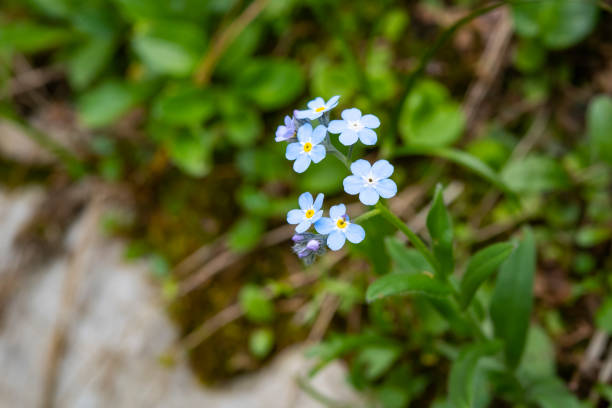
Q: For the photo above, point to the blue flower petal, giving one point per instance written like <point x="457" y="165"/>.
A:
<point x="348" y="137"/>
<point x="304" y="133"/>
<point x="336" y="240"/>
<point x="324" y="225"/>
<point x="351" y="115"/>
<point x="368" y="196"/>
<point x="367" y="136"/>
<point x="317" y="216"/>
<point x="318" y="134"/>
<point x="295" y="216"/>
<point x="386" y="188"/>
<point x="315" y="103"/>
<point x="337" y="211"/>
<point x="301" y="163"/>
<point x="333" y="101"/>
<point x="382" y="169"/>
<point x="317" y="153"/>
<point x="318" y="203"/>
<point x="315" y="115"/>
<point x="303" y="226"/>
<point x="355" y="233"/>
<point x="302" y="114"/>
<point x="353" y="184"/>
<point x="336" y="126"/>
<point x="305" y="201"/>
<point x="293" y="151"/>
<point x="361" y="168"/>
<point x="288" y="121"/>
<point x="280" y="133"/>
<point x="370" y="121"/>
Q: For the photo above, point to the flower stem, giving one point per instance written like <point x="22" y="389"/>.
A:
<point x="412" y="237"/>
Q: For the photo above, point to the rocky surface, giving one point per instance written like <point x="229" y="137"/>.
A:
<point x="86" y="329"/>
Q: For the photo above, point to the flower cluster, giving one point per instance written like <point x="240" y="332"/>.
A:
<point x="309" y="143"/>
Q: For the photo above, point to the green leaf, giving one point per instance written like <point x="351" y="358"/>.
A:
<point x="261" y="342"/>
<point x="169" y="47"/>
<point x="329" y="78"/>
<point x="480" y="266"/>
<point x="552" y="393"/>
<point x="373" y="246"/>
<point x="440" y="229"/>
<point x="463" y="372"/>
<point x="245" y="234"/>
<point x="529" y="56"/>
<point x="429" y="117"/>
<point x="107" y="102"/>
<point x="28" y="37"/>
<point x="191" y="150"/>
<point x="184" y="105"/>
<point x="256" y="305"/>
<point x="535" y="174"/>
<point x="603" y="317"/>
<point x="271" y="83"/>
<point x="374" y="361"/>
<point x="87" y="61"/>
<point x="407" y="260"/>
<point x="325" y="177"/>
<point x="556" y="23"/>
<point x="513" y="298"/>
<point x="539" y="360"/>
<point x="457" y="156"/>
<point x="404" y="284"/>
<point x="599" y="127"/>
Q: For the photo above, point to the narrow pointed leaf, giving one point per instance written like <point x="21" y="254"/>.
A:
<point x="463" y="371"/>
<point x="482" y="265"/>
<point x="407" y="260"/>
<point x="404" y="284"/>
<point x="440" y="228"/>
<point x="513" y="298"/>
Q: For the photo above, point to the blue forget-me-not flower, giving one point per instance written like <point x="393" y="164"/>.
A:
<point x="307" y="148"/>
<point x="339" y="228"/>
<point x="317" y="107"/>
<point x="370" y="182"/>
<point x="310" y="212"/>
<point x="286" y="131"/>
<point x="354" y="126"/>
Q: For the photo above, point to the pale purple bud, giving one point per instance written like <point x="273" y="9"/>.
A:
<point x="313" y="245"/>
<point x="297" y="238"/>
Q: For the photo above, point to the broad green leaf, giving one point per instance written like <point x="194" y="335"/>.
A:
<point x="107" y="102"/>
<point x="404" y="284"/>
<point x="552" y="393"/>
<point x="329" y="79"/>
<point x="261" y="342"/>
<point x="535" y="174"/>
<point x="87" y="61"/>
<point x="325" y="176"/>
<point x="29" y="37"/>
<point x="242" y="123"/>
<point x="429" y="117"/>
<point x="457" y="156"/>
<point x="463" y="372"/>
<point x="539" y="360"/>
<point x="255" y="304"/>
<point x="184" y="105"/>
<point x="374" y="361"/>
<point x="480" y="266"/>
<point x="245" y="234"/>
<point x="373" y="246"/>
<point x="237" y="54"/>
<point x="440" y="227"/>
<point x="603" y="317"/>
<point x="513" y="298"/>
<point x="169" y="47"/>
<point x="271" y="83"/>
<point x="556" y="23"/>
<point x="599" y="127"/>
<point x="191" y="150"/>
<point x="407" y="260"/>
<point x="137" y="10"/>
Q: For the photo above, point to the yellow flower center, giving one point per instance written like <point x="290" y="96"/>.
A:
<point x="341" y="223"/>
<point x="307" y="147"/>
<point x="309" y="213"/>
<point x="320" y="109"/>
